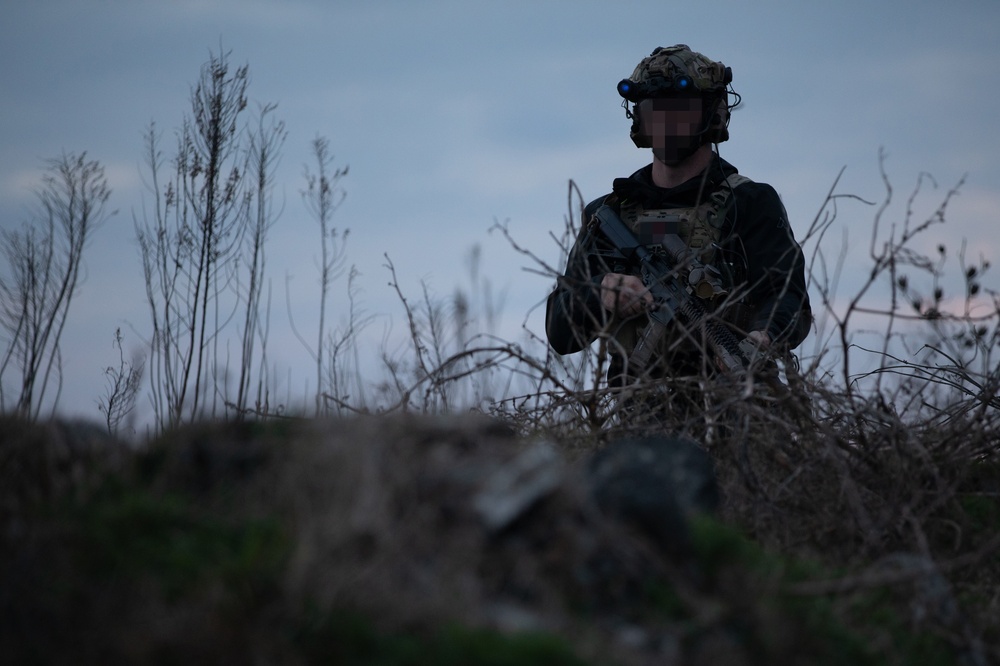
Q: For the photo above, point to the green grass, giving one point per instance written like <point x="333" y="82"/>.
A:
<point x="829" y="629"/>
<point x="188" y="572"/>
<point x="350" y="639"/>
<point x="982" y="511"/>
<point x="128" y="537"/>
<point x="130" y="533"/>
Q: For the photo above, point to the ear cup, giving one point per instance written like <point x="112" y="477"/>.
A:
<point x="638" y="138"/>
<point x="718" y="125"/>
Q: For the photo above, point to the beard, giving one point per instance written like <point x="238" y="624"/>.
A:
<point x="676" y="149"/>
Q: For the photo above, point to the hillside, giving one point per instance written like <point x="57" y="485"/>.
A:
<point x="458" y="540"/>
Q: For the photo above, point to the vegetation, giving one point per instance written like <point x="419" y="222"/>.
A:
<point x="43" y="271"/>
<point x="860" y="506"/>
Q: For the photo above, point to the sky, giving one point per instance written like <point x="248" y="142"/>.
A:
<point x="453" y="116"/>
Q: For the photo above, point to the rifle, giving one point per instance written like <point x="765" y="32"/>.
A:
<point x="672" y="298"/>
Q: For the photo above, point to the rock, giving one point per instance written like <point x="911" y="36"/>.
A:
<point x="654" y="483"/>
<point x="516" y="486"/>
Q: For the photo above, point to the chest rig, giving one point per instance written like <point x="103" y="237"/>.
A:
<point x="700" y="229"/>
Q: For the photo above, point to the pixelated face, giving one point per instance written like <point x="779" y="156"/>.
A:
<point x="671" y="116"/>
<point x="673" y="125"/>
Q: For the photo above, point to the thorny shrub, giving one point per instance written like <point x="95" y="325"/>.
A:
<point x="879" y="460"/>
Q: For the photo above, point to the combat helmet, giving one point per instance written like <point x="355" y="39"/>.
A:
<point x="679" y="71"/>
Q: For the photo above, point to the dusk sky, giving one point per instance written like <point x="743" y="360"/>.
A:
<point x="455" y="115"/>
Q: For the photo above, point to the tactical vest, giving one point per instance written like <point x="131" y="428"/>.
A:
<point x="700" y="227"/>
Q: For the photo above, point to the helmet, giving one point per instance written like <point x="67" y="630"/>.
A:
<point x="679" y="71"/>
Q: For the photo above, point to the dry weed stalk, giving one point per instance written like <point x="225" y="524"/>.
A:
<point x="44" y="259"/>
<point x="852" y="467"/>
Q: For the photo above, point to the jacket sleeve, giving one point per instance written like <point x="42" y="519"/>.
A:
<point x="775" y="266"/>
<point x="573" y="313"/>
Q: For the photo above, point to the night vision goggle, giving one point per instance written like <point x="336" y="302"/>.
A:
<point x="656" y="86"/>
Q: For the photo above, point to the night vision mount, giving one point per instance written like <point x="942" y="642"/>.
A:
<point x="661" y="86"/>
<point x="657" y="86"/>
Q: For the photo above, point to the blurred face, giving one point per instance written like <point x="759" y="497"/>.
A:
<point x="673" y="124"/>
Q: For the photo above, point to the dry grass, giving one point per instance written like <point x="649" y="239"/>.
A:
<point x="850" y="535"/>
<point x="858" y="523"/>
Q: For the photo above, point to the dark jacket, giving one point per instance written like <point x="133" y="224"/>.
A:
<point x="755" y="237"/>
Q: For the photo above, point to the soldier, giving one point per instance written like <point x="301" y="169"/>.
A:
<point x="678" y="101"/>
